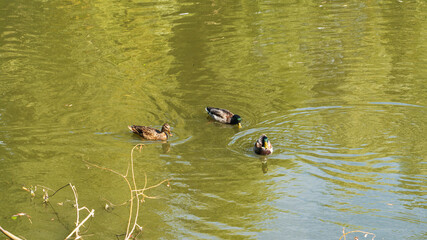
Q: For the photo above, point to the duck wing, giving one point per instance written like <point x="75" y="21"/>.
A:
<point x="219" y="114"/>
<point x="258" y="143"/>
<point x="144" y="131"/>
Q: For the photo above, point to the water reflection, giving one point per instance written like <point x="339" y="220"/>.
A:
<point x="166" y="147"/>
<point x="264" y="164"/>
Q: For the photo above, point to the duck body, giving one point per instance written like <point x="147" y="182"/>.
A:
<point x="224" y="116"/>
<point x="150" y="133"/>
<point x="263" y="146"/>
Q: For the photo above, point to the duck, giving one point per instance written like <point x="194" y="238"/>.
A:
<point x="263" y="146"/>
<point x="224" y="116"/>
<point x="150" y="133"/>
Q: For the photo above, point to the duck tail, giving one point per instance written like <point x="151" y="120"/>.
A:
<point x="208" y="109"/>
<point x="132" y="128"/>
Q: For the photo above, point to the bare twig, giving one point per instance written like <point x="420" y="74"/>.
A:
<point x="78" y="209"/>
<point x="115" y="205"/>
<point x="366" y="234"/>
<point x="136" y="195"/>
<point x="343" y="232"/>
<point x="128" y="184"/>
<point x="135" y="189"/>
<point x="154" y="186"/>
<point x="68" y="184"/>
<point x="9" y="235"/>
<point x="91" y="214"/>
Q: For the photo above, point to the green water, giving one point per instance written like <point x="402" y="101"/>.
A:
<point x="339" y="87"/>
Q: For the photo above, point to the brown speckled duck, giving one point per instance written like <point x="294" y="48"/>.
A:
<point x="224" y="116"/>
<point x="150" y="133"/>
<point x="263" y="146"/>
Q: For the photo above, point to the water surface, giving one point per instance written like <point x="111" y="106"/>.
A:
<point x="338" y="86"/>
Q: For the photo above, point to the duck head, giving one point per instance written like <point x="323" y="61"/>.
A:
<point x="265" y="142"/>
<point x="236" y="119"/>
<point x="166" y="129"/>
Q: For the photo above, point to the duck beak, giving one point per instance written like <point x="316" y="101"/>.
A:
<point x="239" y="126"/>
<point x="170" y="134"/>
<point x="265" y="145"/>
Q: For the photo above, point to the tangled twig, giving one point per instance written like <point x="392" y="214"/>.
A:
<point x="136" y="195"/>
<point x="78" y="209"/>
<point x="366" y="233"/>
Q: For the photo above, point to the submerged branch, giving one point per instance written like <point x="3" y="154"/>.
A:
<point x="78" y="209"/>
<point x="91" y="214"/>
<point x="358" y="231"/>
<point x="9" y="235"/>
<point x="68" y="184"/>
<point x="137" y="196"/>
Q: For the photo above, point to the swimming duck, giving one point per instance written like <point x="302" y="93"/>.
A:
<point x="150" y="133"/>
<point x="263" y="146"/>
<point x="224" y="116"/>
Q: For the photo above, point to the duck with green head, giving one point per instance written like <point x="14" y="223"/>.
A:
<point x="263" y="146"/>
<point x="224" y="116"/>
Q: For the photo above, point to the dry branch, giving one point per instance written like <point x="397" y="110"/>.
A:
<point x="78" y="209"/>
<point x="135" y="193"/>
<point x="9" y="235"/>
<point x="91" y="214"/>
<point x="366" y="233"/>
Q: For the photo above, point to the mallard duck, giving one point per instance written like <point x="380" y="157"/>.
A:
<point x="150" y="133"/>
<point x="263" y="146"/>
<point x="224" y="116"/>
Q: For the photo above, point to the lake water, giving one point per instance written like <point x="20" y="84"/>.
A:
<point x="339" y="87"/>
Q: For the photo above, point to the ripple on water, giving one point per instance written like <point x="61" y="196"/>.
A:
<point x="346" y="159"/>
<point x="243" y="142"/>
<point x="348" y="147"/>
